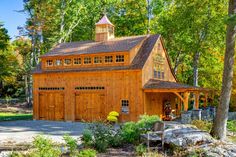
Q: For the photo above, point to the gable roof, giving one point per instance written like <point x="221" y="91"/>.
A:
<point x="91" y="47"/>
<point x="137" y="63"/>
<point x="104" y="20"/>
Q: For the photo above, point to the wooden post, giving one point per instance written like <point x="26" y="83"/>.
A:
<point x="196" y="100"/>
<point x="186" y="95"/>
<point x="205" y="101"/>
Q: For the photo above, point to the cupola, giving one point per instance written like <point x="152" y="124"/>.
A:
<point x="104" y="30"/>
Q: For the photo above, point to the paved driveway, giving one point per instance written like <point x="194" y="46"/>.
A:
<point x="16" y="132"/>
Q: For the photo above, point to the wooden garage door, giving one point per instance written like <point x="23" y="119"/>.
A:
<point x="90" y="106"/>
<point x="51" y="106"/>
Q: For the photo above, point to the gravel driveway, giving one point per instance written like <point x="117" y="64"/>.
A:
<point x="18" y="132"/>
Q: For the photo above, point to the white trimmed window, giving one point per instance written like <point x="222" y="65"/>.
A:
<point x="77" y="61"/>
<point x="49" y="63"/>
<point x="108" y="59"/>
<point x="125" y="106"/>
<point x="67" y="61"/>
<point x="87" y="60"/>
<point x="58" y="62"/>
<point x="97" y="60"/>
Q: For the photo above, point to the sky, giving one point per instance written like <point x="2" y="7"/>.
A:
<point x="10" y="17"/>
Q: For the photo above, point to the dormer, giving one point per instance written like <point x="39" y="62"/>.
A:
<point x="104" y="30"/>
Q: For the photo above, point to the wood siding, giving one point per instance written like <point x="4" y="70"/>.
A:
<point x="117" y="85"/>
<point x="147" y="71"/>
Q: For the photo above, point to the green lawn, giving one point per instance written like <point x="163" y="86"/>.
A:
<point x="5" y="116"/>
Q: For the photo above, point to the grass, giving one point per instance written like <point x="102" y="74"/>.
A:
<point x="5" y="116"/>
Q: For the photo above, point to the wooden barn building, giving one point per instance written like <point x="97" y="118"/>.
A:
<point x="86" y="80"/>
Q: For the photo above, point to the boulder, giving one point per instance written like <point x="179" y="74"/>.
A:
<point x="184" y="135"/>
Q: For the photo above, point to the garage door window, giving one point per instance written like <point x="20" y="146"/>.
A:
<point x="125" y="106"/>
<point x="51" y="88"/>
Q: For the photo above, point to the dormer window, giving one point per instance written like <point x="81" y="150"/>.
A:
<point x="49" y="63"/>
<point x="108" y="59"/>
<point x="67" y="61"/>
<point x="77" y="61"/>
<point x="97" y="60"/>
<point x="58" y="62"/>
<point x="120" y="58"/>
<point x="87" y="60"/>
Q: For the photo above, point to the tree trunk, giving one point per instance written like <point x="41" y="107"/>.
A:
<point x="195" y="68"/>
<point x="220" y="122"/>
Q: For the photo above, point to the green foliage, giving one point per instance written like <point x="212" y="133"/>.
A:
<point x="71" y="143"/>
<point x="231" y="125"/>
<point x="44" y="147"/>
<point x="16" y="154"/>
<point x="101" y="136"/>
<point x="87" y="138"/>
<point x="202" y="125"/>
<point x="87" y="153"/>
<point x="13" y="116"/>
<point x="4" y="38"/>
<point x="140" y="149"/>
<point x="146" y="121"/>
<point x="130" y="132"/>
<point x="116" y="139"/>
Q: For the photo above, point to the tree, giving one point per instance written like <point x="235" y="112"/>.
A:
<point x="4" y="38"/>
<point x="219" y="127"/>
<point x="194" y="33"/>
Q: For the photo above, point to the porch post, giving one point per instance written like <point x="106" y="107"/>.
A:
<point x="205" y="102"/>
<point x="196" y="102"/>
<point x="186" y="95"/>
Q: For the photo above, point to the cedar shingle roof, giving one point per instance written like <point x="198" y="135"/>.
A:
<point x="91" y="47"/>
<point x="138" y="61"/>
<point x="158" y="84"/>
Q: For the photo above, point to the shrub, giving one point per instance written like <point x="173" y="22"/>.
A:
<point x="44" y="147"/>
<point x="87" y="153"/>
<point x="130" y="132"/>
<point x="101" y="134"/>
<point x="202" y="125"/>
<point x="231" y="125"/>
<point x="140" y="149"/>
<point x="16" y="154"/>
<point x="146" y="122"/>
<point x="87" y="138"/>
<point x="116" y="139"/>
<point x="71" y="143"/>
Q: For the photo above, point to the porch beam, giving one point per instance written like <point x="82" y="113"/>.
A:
<point x="176" y="93"/>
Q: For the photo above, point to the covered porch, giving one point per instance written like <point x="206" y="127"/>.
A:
<point x="160" y="96"/>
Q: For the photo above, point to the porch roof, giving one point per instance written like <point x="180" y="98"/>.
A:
<point x="154" y="85"/>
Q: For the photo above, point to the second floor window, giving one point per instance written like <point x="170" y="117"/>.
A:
<point x="58" y="62"/>
<point x="87" y="60"/>
<point x="108" y="59"/>
<point x="77" y="61"/>
<point x="67" y="61"/>
<point x="120" y="58"/>
<point x="49" y="63"/>
<point x="97" y="60"/>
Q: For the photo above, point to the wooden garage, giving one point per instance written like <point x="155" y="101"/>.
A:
<point x="84" y="81"/>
